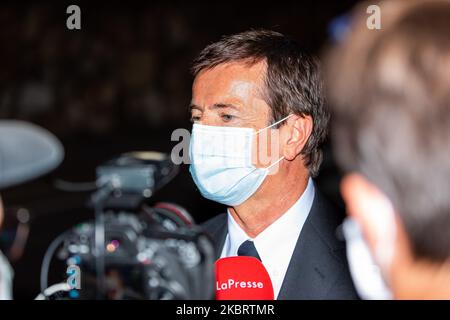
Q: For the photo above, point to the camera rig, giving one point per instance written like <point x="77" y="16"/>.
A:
<point x="132" y="250"/>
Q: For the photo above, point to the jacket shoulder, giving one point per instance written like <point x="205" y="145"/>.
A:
<point x="215" y="223"/>
<point x="216" y="228"/>
<point x="326" y="218"/>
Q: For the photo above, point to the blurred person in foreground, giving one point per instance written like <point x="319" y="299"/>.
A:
<point x="390" y="94"/>
<point x="26" y="152"/>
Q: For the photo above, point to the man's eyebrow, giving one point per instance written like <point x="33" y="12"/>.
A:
<point x="224" y="105"/>
<point x="193" y="106"/>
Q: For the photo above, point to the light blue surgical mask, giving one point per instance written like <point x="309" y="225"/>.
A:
<point x="221" y="163"/>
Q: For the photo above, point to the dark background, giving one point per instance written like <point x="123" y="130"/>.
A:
<point x="122" y="83"/>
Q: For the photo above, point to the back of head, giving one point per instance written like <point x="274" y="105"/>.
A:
<point x="390" y="90"/>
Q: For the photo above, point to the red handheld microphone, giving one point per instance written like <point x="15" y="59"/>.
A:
<point x="242" y="278"/>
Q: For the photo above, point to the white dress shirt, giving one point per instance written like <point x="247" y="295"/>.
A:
<point x="276" y="243"/>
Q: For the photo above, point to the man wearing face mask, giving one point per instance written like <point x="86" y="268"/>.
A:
<point x="26" y="152"/>
<point x="259" y="121"/>
<point x="390" y="90"/>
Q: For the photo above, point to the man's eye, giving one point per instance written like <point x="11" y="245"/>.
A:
<point x="227" y="117"/>
<point x="195" y="119"/>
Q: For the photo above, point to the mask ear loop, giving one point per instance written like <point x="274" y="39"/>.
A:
<point x="274" y="124"/>
<point x="273" y="165"/>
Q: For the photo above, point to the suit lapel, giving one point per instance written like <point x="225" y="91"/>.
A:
<point x="219" y="234"/>
<point x="308" y="275"/>
<point x="313" y="267"/>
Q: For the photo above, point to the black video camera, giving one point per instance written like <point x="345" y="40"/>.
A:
<point x="132" y="250"/>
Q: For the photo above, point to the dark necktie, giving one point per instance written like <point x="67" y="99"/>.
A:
<point x="247" y="248"/>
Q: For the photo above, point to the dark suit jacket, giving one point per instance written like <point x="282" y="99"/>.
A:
<point x="318" y="268"/>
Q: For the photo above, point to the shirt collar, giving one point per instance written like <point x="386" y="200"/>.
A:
<point x="285" y="230"/>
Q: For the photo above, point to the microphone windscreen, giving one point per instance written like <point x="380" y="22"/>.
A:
<point x="26" y="152"/>
<point x="242" y="278"/>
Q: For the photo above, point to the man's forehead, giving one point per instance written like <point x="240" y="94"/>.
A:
<point x="234" y="79"/>
<point x="239" y="68"/>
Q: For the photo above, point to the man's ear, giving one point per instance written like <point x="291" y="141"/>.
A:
<point x="362" y="200"/>
<point x="297" y="131"/>
<point x="374" y="212"/>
